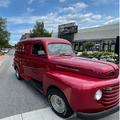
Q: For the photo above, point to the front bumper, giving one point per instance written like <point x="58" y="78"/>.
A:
<point x="94" y="116"/>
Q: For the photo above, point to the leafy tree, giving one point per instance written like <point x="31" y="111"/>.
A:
<point x="8" y="46"/>
<point x="4" y="34"/>
<point x="39" y="31"/>
<point x="15" y="45"/>
<point x="88" y="44"/>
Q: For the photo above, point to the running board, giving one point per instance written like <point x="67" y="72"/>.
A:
<point x="36" y="84"/>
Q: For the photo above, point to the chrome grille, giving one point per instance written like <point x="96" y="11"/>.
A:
<point x="111" y="98"/>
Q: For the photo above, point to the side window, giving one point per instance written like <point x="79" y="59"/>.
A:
<point x="36" y="48"/>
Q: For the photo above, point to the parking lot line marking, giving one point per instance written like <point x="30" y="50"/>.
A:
<point x="41" y="114"/>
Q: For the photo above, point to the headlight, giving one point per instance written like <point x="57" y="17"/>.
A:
<point x="98" y="95"/>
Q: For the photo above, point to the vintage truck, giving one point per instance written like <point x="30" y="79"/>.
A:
<point x="72" y="84"/>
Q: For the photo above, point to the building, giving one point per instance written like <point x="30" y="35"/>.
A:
<point x="25" y="36"/>
<point x="103" y="36"/>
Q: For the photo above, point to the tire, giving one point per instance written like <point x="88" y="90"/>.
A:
<point x="59" y="103"/>
<point x="17" y="73"/>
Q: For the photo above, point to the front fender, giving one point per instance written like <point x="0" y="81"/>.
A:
<point x="78" y="89"/>
<point x="64" y="82"/>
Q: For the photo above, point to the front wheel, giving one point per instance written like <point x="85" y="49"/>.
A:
<point x="17" y="73"/>
<point x="59" y="103"/>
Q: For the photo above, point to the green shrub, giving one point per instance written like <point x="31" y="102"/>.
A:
<point x="104" y="56"/>
<point x="84" y="54"/>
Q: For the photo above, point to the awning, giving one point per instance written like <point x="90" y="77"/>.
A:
<point x="87" y="40"/>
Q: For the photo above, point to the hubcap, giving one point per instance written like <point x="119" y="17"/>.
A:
<point x="17" y="73"/>
<point x="58" y="103"/>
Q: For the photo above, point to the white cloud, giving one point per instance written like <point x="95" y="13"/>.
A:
<point x="15" y="42"/>
<point x="69" y="9"/>
<point x="4" y="3"/>
<point x="80" y="5"/>
<point x="74" y="7"/>
<point x="113" y="21"/>
<point x="97" y="2"/>
<point x="81" y="19"/>
<point x="96" y="17"/>
<point x="20" y="31"/>
<point x="109" y="17"/>
<point x="52" y="21"/>
<point x="62" y="0"/>
<point x="16" y="36"/>
<point x="29" y="10"/>
<point x="30" y="1"/>
<point x="42" y="1"/>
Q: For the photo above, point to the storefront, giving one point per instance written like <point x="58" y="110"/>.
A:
<point x="109" y="44"/>
<point x="104" y="37"/>
<point x="79" y="45"/>
<point x="100" y="44"/>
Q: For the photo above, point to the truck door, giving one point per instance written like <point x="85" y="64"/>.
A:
<point x="37" y="64"/>
<point x="25" y="59"/>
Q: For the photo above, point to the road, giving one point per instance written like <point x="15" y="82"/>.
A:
<point x="18" y="97"/>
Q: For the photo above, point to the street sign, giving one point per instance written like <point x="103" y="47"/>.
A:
<point x="67" y="28"/>
<point x="66" y="31"/>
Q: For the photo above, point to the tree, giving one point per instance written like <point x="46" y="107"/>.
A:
<point x="15" y="45"/>
<point x="4" y="34"/>
<point x="88" y="44"/>
<point x="39" y="31"/>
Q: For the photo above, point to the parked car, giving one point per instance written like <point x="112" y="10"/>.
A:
<point x="72" y="84"/>
<point x="3" y="51"/>
<point x="6" y="50"/>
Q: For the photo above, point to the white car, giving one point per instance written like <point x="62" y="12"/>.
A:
<point x="5" y="50"/>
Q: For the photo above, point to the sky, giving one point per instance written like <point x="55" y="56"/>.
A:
<point x="23" y="14"/>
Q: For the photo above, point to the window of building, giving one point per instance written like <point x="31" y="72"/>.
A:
<point x="81" y="47"/>
<point x="76" y="46"/>
<point x="112" y="45"/>
<point x="105" y="44"/>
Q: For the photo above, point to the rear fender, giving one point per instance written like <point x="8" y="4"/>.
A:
<point x="17" y="63"/>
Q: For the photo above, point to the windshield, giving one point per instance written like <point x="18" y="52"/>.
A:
<point x="59" y="48"/>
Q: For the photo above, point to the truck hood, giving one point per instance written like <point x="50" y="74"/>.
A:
<point x="85" y="66"/>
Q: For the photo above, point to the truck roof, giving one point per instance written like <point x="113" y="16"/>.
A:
<point x="46" y="40"/>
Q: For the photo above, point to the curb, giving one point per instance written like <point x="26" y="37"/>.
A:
<point x="2" y="58"/>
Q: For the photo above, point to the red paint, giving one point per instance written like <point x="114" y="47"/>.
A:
<point x="2" y="58"/>
<point x="78" y="78"/>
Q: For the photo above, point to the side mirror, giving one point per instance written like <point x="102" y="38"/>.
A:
<point x="76" y="52"/>
<point x="41" y="53"/>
